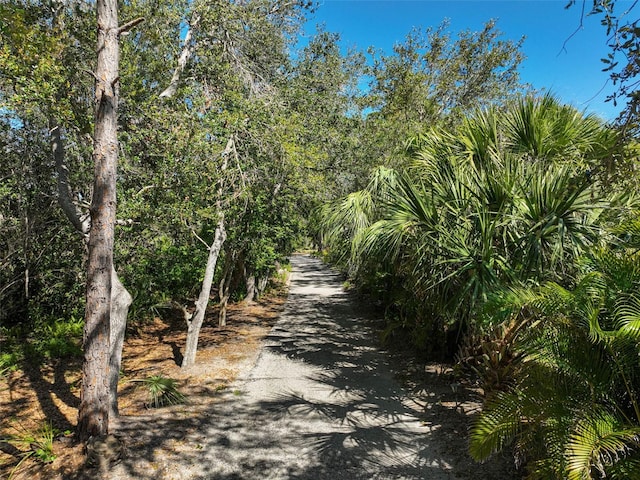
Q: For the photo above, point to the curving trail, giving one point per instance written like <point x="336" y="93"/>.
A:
<point x="320" y="403"/>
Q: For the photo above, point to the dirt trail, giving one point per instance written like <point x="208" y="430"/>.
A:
<point x="320" y="403"/>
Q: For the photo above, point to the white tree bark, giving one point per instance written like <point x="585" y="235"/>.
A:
<point x="187" y="51"/>
<point x="262" y="284"/>
<point x="194" y="324"/>
<point x="220" y="235"/>
<point x="120" y="302"/>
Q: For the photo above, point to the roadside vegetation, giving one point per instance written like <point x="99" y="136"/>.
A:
<point x="493" y="226"/>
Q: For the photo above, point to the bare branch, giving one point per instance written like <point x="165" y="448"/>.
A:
<point x="580" y="27"/>
<point x="187" y="51"/>
<point x="144" y="189"/>
<point x="199" y="238"/>
<point x="124" y="29"/>
<point x="93" y="74"/>
<point x="81" y="222"/>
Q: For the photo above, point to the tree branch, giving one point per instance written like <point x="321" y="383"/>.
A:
<point x="580" y="27"/>
<point x="199" y="238"/>
<point x="124" y="29"/>
<point x="80" y="221"/>
<point x="92" y="74"/>
<point x="187" y="51"/>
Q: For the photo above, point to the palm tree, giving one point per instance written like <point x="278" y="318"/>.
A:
<point x="490" y="203"/>
<point x="572" y="408"/>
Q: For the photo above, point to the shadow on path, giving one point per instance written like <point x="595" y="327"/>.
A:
<point x="320" y="403"/>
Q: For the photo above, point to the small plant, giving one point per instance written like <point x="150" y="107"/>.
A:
<point x="61" y="338"/>
<point x="7" y="364"/>
<point x="36" y="444"/>
<point x="163" y="391"/>
<point x="9" y="361"/>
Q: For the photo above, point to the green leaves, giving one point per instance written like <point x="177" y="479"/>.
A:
<point x="496" y="429"/>
<point x="499" y="200"/>
<point x="577" y="385"/>
<point x="597" y="442"/>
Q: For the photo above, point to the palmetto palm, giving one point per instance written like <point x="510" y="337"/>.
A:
<point x="504" y="197"/>
<point x="573" y="408"/>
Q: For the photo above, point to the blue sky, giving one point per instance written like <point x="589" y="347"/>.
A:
<point x="574" y="74"/>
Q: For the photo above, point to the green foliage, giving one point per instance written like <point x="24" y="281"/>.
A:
<point x="163" y="391"/>
<point x="47" y="339"/>
<point x="60" y="339"/>
<point x="161" y="272"/>
<point x="434" y="79"/>
<point x="571" y="408"/>
<point x="499" y="200"/>
<point x="36" y="444"/>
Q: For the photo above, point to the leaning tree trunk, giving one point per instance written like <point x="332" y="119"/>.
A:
<point x="93" y="414"/>
<point x="187" y="51"/>
<point x="120" y="301"/>
<point x="195" y="322"/>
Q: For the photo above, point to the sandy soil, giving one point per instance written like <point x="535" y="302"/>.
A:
<point x="311" y="398"/>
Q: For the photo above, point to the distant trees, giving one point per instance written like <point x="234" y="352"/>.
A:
<point x="432" y="78"/>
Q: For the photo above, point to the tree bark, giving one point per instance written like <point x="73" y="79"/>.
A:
<point x="93" y="414"/>
<point x="224" y="290"/>
<point x="195" y="323"/>
<point x="187" y="50"/>
<point x="262" y="285"/>
<point x="80" y="221"/>
<point x="120" y="302"/>
<point x="250" y="284"/>
<point x="120" y="298"/>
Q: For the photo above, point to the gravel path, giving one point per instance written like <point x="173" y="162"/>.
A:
<point x="320" y="403"/>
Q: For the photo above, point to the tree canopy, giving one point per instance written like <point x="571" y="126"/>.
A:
<point x="461" y="202"/>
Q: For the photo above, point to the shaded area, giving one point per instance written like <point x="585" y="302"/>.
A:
<point x="320" y="403"/>
<point x="50" y="391"/>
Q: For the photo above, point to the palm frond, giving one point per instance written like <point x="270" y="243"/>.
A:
<point x="496" y="427"/>
<point x="597" y="442"/>
<point x="627" y="315"/>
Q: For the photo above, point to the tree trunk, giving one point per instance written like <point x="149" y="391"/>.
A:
<point x="120" y="298"/>
<point x="120" y="301"/>
<point x="80" y="221"/>
<point x="195" y="323"/>
<point x="250" y="284"/>
<point x="224" y="290"/>
<point x="93" y="414"/>
<point x="262" y="284"/>
<point x="187" y="51"/>
<point x="224" y="301"/>
<point x="220" y="235"/>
